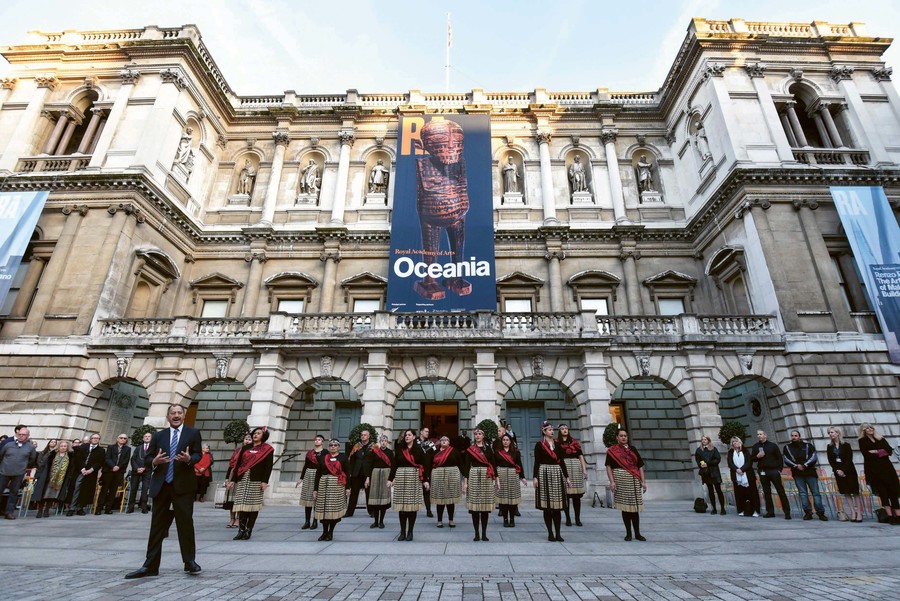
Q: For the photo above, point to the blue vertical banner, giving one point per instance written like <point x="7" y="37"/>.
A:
<point x="875" y="239"/>
<point x="19" y="213"/>
<point x="442" y="226"/>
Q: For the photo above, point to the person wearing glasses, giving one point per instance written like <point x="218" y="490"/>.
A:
<point x="332" y="489"/>
<point x="114" y="466"/>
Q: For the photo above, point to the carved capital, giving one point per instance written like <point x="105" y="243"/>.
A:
<point x="80" y="209"/>
<point x="543" y="137"/>
<point x="347" y="137"/>
<point x="630" y="254"/>
<point x="670" y="136"/>
<point x="100" y="112"/>
<point x="559" y="255"/>
<point x="609" y="135"/>
<point x="882" y="73"/>
<point x="221" y="141"/>
<point x="756" y="69"/>
<point x="799" y="203"/>
<point x="334" y="255"/>
<point x="840" y="72"/>
<point x="258" y="255"/>
<point x="282" y="138"/>
<point x="788" y="105"/>
<point x="189" y="258"/>
<point x="129" y="77"/>
<point x="713" y="70"/>
<point x="751" y="203"/>
<point x="173" y="76"/>
<point x="128" y="209"/>
<point x="8" y="83"/>
<point x="46" y="81"/>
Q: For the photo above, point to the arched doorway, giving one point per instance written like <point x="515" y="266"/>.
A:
<point x="531" y="401"/>
<point x="753" y="403"/>
<point x="213" y="407"/>
<point x="437" y="403"/>
<point x="121" y="406"/>
<point x="654" y="418"/>
<point x="329" y="407"/>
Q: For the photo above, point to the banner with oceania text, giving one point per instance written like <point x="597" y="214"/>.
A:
<point x="19" y="212"/>
<point x="875" y="239"/>
<point x="442" y="229"/>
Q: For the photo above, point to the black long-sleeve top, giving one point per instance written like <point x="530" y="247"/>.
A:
<point x="358" y="459"/>
<point x="516" y="457"/>
<point x="470" y="462"/>
<point x="323" y="470"/>
<point x="841" y="458"/>
<point x="771" y="461"/>
<point x="401" y="461"/>
<point x="453" y="460"/>
<point x="116" y="456"/>
<point x="542" y="457"/>
<point x="373" y="461"/>
<point x="259" y="472"/>
<point x="575" y="453"/>
<point x="747" y="467"/>
<point x="309" y="465"/>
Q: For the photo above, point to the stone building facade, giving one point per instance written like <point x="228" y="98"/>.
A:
<point x="230" y="252"/>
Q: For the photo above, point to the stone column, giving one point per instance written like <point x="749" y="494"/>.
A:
<point x="254" y="282"/>
<point x="861" y="120"/>
<point x="57" y="132"/>
<point x="281" y="141"/>
<point x="775" y="125"/>
<point x="74" y="122"/>
<point x="547" y="199"/>
<point x="104" y="139"/>
<point x="833" y="132"/>
<point x="703" y="409"/>
<point x="823" y="266"/>
<point x="486" y="403"/>
<point x="331" y="256"/>
<point x="632" y="284"/>
<point x="791" y="110"/>
<point x="26" y="290"/>
<point x="340" y="188"/>
<point x="159" y="118"/>
<point x="7" y="85"/>
<point x="270" y="405"/>
<point x="608" y="137"/>
<point x="765" y="255"/>
<point x="553" y="258"/>
<point x="788" y="130"/>
<point x="823" y="133"/>
<point x="20" y="141"/>
<point x="842" y="115"/>
<point x="86" y="141"/>
<point x="593" y="410"/>
<point x="55" y="267"/>
<point x="376" y="410"/>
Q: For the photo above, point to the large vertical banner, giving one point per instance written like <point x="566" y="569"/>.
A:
<point x="875" y="239"/>
<point x="19" y="212"/>
<point x="442" y="229"/>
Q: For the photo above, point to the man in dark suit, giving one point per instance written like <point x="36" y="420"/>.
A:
<point x="140" y="475"/>
<point x="89" y="460"/>
<point x="115" y="464"/>
<point x="357" y="473"/>
<point x="172" y="453"/>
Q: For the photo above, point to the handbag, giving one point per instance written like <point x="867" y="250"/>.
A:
<point x="842" y="517"/>
<point x="704" y="471"/>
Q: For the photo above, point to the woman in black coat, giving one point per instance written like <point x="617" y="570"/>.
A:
<point x="708" y="460"/>
<point x="880" y="472"/>
<point x="740" y="462"/>
<point x="840" y="458"/>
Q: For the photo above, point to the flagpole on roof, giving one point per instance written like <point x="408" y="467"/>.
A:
<point x="447" y="61"/>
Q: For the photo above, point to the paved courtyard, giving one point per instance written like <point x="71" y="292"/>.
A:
<point x="687" y="556"/>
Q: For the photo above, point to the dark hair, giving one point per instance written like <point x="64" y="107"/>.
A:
<point x="19" y="427"/>
<point x="173" y="405"/>
<point x="319" y="436"/>
<point x="506" y="436"/>
<point x="265" y="432"/>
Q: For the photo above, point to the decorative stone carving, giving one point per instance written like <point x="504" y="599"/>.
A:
<point x="281" y="138"/>
<point x="701" y="142"/>
<point x="221" y="368"/>
<point x="543" y="137"/>
<point x="713" y="70"/>
<point x="799" y="203"/>
<point x="258" y="255"/>
<point x="251" y="142"/>
<point x="313" y="142"/>
<point x="46" y="81"/>
<point x="333" y="255"/>
<point x="670" y="136"/>
<point x="746" y="360"/>
<point x="378" y="178"/>
<point x="839" y="72"/>
<point x="326" y="366"/>
<point x="796" y="74"/>
<point x="576" y="141"/>
<point x="80" y="209"/>
<point x="8" y="83"/>
<point x="644" y="175"/>
<point x="510" y="176"/>
<point x="644" y="364"/>
<point x="173" y="76"/>
<point x="310" y="180"/>
<point x="379" y="142"/>
<point x="221" y="141"/>
<point x="184" y="152"/>
<point x="346" y="136"/>
<point x="122" y="364"/>
<point x="751" y="203"/>
<point x="577" y="176"/>
<point x="90" y="82"/>
<point x="756" y="69"/>
<point x="246" y="179"/>
<point x="882" y="73"/>
<point x="608" y="135"/>
<point x="432" y="366"/>
<point x="129" y="77"/>
<point x="537" y="365"/>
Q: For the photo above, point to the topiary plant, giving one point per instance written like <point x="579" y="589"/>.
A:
<point x="610" y="432"/>
<point x="490" y="429"/>
<point x="235" y="431"/>
<point x="731" y="429"/>
<point x="357" y="431"/>
<point x="137" y="437"/>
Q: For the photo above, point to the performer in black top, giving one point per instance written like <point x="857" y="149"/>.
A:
<point x="332" y="489"/>
<point x="480" y="483"/>
<point x="550" y="481"/>
<point x="577" y="468"/>
<point x="357" y="470"/>
<point x="511" y="477"/>
<point x="446" y="480"/>
<point x="428" y="449"/>
<point x="308" y="480"/>
<point x="409" y="475"/>
<point x="377" y="469"/>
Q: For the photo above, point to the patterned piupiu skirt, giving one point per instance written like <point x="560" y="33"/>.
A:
<point x="510" y="487"/>
<point x="551" y="491"/>
<point x="481" y="494"/>
<point x="306" y="490"/>
<point x="446" y="485"/>
<point x="629" y="495"/>
<point x="576" y="475"/>
<point x="407" y="490"/>
<point x="331" y="502"/>
<point x="379" y="493"/>
<point x="248" y="494"/>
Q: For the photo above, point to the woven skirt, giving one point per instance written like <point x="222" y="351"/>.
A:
<point x="576" y="475"/>
<point x="510" y="487"/>
<point x="248" y="495"/>
<point x="379" y="493"/>
<point x="551" y="492"/>
<point x="407" y="490"/>
<point x="446" y="486"/>
<point x="306" y="490"/>
<point x="481" y="494"/>
<point x="331" y="502"/>
<point x="628" y="495"/>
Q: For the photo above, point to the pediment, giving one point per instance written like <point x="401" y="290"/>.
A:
<point x="291" y="279"/>
<point x="159" y="261"/>
<point x="365" y="279"/>
<point x="517" y="278"/>
<point x="670" y="278"/>
<point x="594" y="277"/>
<point x="216" y="280"/>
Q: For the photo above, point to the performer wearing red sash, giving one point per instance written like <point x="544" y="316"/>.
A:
<point x="377" y="469"/>
<point x="250" y="480"/>
<point x="550" y="481"/>
<point x="511" y="479"/>
<point x="408" y="472"/>
<point x="308" y="481"/>
<point x="332" y="489"/>
<point x="446" y="481"/>
<point x="480" y="483"/>
<point x="577" y="468"/>
<point x="228" y="505"/>
<point x="625" y="470"/>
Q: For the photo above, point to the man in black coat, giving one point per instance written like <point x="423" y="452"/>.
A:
<point x="88" y="460"/>
<point x="115" y="464"/>
<point x="357" y="472"/>
<point x="172" y="453"/>
<point x="769" y="464"/>
<point x="140" y="475"/>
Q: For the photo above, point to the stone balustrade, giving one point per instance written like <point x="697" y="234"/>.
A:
<point x="831" y="156"/>
<point x="57" y="163"/>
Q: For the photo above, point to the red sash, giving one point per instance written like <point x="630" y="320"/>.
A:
<point x="441" y="457"/>
<point x="626" y="459"/>
<point x="312" y="458"/>
<point x="571" y="447"/>
<point x="549" y="450"/>
<point x="335" y="469"/>
<point x="409" y="457"/>
<point x="377" y="450"/>
<point x="479" y="456"/>
<point x="508" y="458"/>
<point x="252" y="456"/>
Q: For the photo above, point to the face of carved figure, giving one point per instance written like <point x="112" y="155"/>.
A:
<point x="443" y="140"/>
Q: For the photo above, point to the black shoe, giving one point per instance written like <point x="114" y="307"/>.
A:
<point x="506" y="522"/>
<point x="477" y="538"/>
<point x="315" y="525"/>
<point x="512" y="522"/>
<point x="806" y="517"/>
<point x="323" y="536"/>
<point x="628" y="537"/>
<point x="330" y="536"/>
<point x="192" y="568"/>
<point x="560" y="539"/>
<point x="108" y="512"/>
<point x="722" y="512"/>
<point x="80" y="512"/>
<point x="568" y="522"/>
<point x="402" y="537"/>
<point x="305" y="526"/>
<point x="375" y="525"/>
<point x="578" y="523"/>
<point x="823" y="517"/>
<point x="787" y="516"/>
<point x="129" y="510"/>
<point x="518" y="515"/>
<point x="145" y="511"/>
<point x="381" y="525"/>
<point x="769" y="515"/>
<point x="240" y="535"/>
<point x="431" y="515"/>
<point x="713" y="512"/>
<point x="247" y="534"/>
<point x="640" y="538"/>
<point x="70" y="513"/>
<point x="551" y="538"/>
<point x="409" y="537"/>
<point x="142" y="572"/>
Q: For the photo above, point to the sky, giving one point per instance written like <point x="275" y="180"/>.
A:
<point x="378" y="46"/>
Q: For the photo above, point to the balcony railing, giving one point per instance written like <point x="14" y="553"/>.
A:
<point x="521" y="327"/>
<point x="831" y="156"/>
<point x="53" y="163"/>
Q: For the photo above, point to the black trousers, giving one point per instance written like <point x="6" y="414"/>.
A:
<point x="182" y="510"/>
<point x="356" y="483"/>
<point x="142" y="481"/>
<point x="769" y="480"/>
<point x="108" y="487"/>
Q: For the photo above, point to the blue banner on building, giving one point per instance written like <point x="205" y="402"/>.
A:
<point x="19" y="212"/>
<point x="442" y="230"/>
<point x="875" y="239"/>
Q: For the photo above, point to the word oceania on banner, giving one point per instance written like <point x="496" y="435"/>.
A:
<point x="405" y="267"/>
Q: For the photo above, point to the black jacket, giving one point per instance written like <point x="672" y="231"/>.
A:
<point x="116" y="458"/>
<point x="771" y="461"/>
<point x="185" y="482"/>
<point x="748" y="466"/>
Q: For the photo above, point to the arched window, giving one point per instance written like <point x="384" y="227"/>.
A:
<point x="77" y="126"/>
<point x="810" y="121"/>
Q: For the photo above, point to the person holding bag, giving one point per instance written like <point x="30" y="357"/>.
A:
<point x="708" y="460"/>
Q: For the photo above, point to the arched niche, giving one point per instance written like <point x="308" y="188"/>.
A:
<point x="511" y="173"/>
<point x="309" y="180"/>
<point x="579" y="174"/>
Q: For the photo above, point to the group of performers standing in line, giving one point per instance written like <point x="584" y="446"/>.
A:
<point x="417" y="472"/>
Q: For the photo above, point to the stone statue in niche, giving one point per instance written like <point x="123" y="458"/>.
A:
<point x="644" y="172"/>
<point x="309" y="179"/>
<point x="378" y="178"/>
<point x="701" y="143"/>
<point x="184" y="154"/>
<point x="246" y="179"/>
<point x="510" y="176"/>
<point x="577" y="176"/>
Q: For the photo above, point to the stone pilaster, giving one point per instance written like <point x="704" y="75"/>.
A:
<point x="282" y="140"/>
<point x="347" y="137"/>
<point x="331" y="256"/>
<point x="256" y="259"/>
<point x="20" y="142"/>
<point x="98" y="155"/>
<point x="486" y="404"/>
<point x="608" y="137"/>
<point x="376" y="408"/>
<point x="548" y="201"/>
